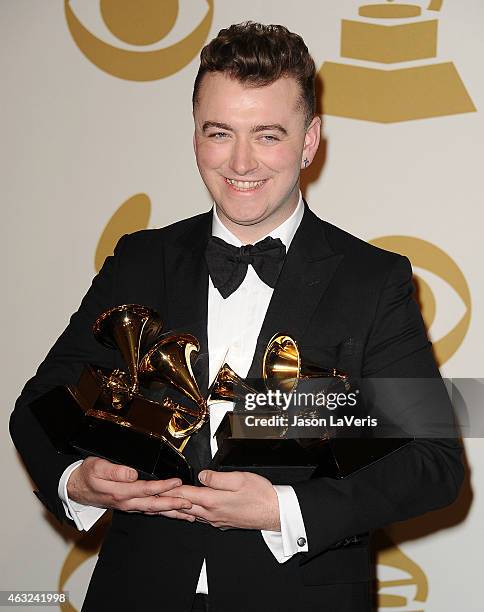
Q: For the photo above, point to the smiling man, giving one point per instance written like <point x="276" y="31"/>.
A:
<point x="258" y="263"/>
<point x="250" y="144"/>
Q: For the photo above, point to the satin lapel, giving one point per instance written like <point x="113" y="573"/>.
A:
<point x="308" y="269"/>
<point x="187" y="289"/>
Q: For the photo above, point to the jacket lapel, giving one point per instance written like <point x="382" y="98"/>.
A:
<point x="186" y="298"/>
<point x="308" y="269"/>
<point x="186" y="288"/>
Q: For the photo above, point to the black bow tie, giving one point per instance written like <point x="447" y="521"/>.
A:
<point x="227" y="264"/>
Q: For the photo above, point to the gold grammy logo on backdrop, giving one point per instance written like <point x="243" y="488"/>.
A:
<point x="413" y="580"/>
<point x="131" y="216"/>
<point x="428" y="256"/>
<point x="86" y="547"/>
<point x="398" y="94"/>
<point x="140" y="23"/>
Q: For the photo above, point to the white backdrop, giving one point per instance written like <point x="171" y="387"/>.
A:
<point x="80" y="139"/>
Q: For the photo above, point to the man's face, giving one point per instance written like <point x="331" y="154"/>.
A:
<point x="250" y="144"/>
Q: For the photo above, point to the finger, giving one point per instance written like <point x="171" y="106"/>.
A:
<point x="203" y="496"/>
<point x="223" y="481"/>
<point x="155" y="487"/>
<point x="187" y="491"/>
<point x="154" y="504"/>
<point x="202" y="515"/>
<point x="199" y="512"/>
<point x="141" y="488"/>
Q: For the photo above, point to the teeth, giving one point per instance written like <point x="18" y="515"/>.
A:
<point x="245" y="184"/>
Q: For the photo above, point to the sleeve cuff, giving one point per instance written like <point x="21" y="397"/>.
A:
<point x="292" y="538"/>
<point x="84" y="517"/>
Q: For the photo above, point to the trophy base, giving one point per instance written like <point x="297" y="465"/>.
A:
<point x="151" y="457"/>
<point x="66" y="415"/>
<point x="284" y="460"/>
<point x="280" y="461"/>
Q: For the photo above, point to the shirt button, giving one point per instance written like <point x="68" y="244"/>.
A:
<point x="301" y="541"/>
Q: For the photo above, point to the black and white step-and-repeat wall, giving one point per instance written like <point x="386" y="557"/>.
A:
<point x="96" y="135"/>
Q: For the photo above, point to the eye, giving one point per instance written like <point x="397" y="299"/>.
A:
<point x="139" y="41"/>
<point x="218" y="135"/>
<point x="270" y="138"/>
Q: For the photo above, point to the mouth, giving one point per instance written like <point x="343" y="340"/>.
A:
<point x="245" y="186"/>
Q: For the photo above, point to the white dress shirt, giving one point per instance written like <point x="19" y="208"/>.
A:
<point x="233" y="326"/>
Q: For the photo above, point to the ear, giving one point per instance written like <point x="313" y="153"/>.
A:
<point x="311" y="141"/>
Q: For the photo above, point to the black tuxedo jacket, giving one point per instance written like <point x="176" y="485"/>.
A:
<point x="334" y="290"/>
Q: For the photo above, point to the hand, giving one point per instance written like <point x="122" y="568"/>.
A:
<point x="97" y="482"/>
<point x="233" y="499"/>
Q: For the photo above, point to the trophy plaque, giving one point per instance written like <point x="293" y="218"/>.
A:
<point x="106" y="414"/>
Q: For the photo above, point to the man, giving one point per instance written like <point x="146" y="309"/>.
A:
<point x="287" y="548"/>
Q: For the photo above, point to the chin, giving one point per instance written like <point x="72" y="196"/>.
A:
<point x="242" y="217"/>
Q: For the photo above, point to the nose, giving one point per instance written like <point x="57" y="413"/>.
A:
<point x="242" y="159"/>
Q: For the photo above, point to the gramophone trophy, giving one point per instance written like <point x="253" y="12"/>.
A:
<point x="106" y="413"/>
<point x="278" y="450"/>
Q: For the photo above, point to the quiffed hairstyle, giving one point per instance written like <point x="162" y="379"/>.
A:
<point x="257" y="55"/>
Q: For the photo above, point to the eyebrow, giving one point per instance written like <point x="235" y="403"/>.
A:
<point x="272" y="127"/>
<point x="255" y="130"/>
<point x="215" y="124"/>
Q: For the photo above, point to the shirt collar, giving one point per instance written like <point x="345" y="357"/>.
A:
<point x="285" y="231"/>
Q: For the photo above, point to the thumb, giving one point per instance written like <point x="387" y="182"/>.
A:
<point x="123" y="473"/>
<point x="223" y="481"/>
<point x="119" y="473"/>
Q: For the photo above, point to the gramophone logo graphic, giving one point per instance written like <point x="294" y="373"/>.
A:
<point x="388" y="34"/>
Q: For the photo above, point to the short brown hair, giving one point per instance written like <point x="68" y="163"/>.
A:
<point x="258" y="55"/>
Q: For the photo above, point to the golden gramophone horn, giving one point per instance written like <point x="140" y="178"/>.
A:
<point x="282" y="367"/>
<point x="122" y="327"/>
<point x="169" y="362"/>
<point x="228" y="387"/>
<point x="152" y="332"/>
